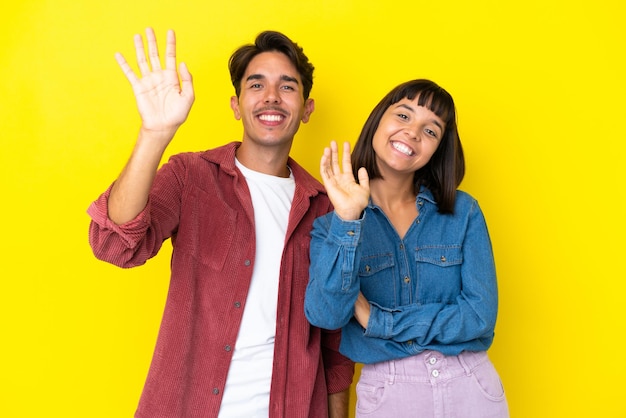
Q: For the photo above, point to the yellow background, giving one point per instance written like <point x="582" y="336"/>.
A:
<point x="539" y="87"/>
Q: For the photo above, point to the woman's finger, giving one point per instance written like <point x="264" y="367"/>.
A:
<point x="346" y="162"/>
<point x="334" y="158"/>
<point x="325" y="164"/>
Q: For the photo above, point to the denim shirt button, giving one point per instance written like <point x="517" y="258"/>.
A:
<point x="407" y="279"/>
<point x="351" y="233"/>
<point x="443" y="259"/>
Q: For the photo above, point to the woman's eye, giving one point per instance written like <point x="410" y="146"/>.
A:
<point x="402" y="116"/>
<point x="431" y="133"/>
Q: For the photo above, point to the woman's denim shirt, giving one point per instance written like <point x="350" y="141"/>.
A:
<point x="433" y="290"/>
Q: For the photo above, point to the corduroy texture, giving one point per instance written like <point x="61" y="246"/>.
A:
<point x="201" y="202"/>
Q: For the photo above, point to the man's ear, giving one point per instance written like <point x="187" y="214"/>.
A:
<point x="309" y="107"/>
<point x="234" y="104"/>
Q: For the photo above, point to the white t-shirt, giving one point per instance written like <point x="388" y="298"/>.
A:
<point x="247" y="390"/>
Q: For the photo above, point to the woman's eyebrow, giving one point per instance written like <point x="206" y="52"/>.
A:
<point x="407" y="107"/>
<point x="410" y="109"/>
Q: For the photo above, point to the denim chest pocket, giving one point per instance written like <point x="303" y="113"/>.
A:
<point x="374" y="264"/>
<point x="439" y="272"/>
<point x="441" y="256"/>
<point x="377" y="276"/>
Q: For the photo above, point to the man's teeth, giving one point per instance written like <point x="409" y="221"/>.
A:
<point x="402" y="148"/>
<point x="271" y="118"/>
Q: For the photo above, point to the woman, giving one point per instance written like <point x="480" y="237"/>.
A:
<point x="404" y="264"/>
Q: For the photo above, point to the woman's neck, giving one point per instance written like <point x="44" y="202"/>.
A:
<point x="397" y="201"/>
<point x="389" y="194"/>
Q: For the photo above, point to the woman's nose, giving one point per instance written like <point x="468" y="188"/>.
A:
<point x="411" y="132"/>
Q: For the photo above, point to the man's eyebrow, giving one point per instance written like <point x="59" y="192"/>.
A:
<point x="255" y="77"/>
<point x="287" y="78"/>
<point x="410" y="109"/>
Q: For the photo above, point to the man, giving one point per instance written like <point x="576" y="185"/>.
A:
<point x="234" y="341"/>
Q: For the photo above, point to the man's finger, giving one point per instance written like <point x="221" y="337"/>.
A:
<point x="153" y="50"/>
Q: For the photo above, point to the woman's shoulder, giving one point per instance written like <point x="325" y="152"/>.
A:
<point x="464" y="197"/>
<point x="466" y="203"/>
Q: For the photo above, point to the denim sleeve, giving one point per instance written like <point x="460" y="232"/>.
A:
<point x="472" y="316"/>
<point x="333" y="282"/>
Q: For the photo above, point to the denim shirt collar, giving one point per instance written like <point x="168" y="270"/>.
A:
<point x="426" y="194"/>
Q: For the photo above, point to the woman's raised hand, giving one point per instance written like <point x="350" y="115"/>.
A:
<point x="347" y="196"/>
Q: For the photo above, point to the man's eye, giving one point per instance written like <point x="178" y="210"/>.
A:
<point x="255" y="86"/>
<point x="288" y="88"/>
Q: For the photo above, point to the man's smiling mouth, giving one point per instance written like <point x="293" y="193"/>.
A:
<point x="271" y="118"/>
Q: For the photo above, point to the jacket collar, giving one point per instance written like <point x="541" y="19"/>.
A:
<point x="224" y="156"/>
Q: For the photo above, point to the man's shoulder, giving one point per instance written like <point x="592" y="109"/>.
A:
<point x="223" y="155"/>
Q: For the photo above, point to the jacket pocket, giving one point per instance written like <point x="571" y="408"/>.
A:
<point x="207" y="229"/>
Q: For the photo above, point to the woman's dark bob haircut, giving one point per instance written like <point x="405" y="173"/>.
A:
<point x="270" y="41"/>
<point x="446" y="168"/>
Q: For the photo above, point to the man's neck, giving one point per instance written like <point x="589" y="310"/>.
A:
<point x="266" y="160"/>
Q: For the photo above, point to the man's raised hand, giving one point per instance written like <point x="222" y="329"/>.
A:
<point x="163" y="99"/>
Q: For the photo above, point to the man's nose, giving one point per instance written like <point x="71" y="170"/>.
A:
<point x="272" y="95"/>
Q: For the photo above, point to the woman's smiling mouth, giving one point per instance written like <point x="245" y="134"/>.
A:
<point x="399" y="146"/>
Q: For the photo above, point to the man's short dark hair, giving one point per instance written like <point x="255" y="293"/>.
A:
<point x="269" y="41"/>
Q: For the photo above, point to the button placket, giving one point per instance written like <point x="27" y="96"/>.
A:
<point x="434" y="366"/>
<point x="404" y="261"/>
